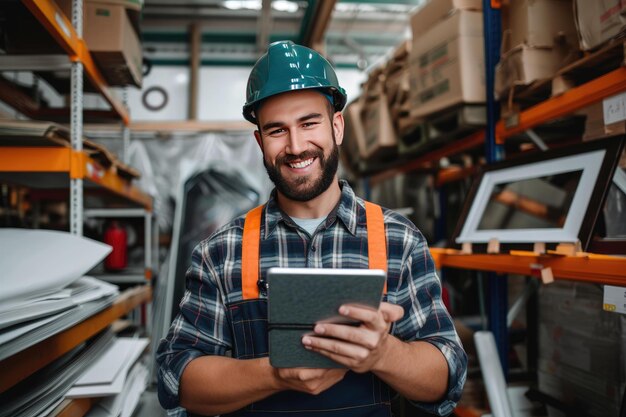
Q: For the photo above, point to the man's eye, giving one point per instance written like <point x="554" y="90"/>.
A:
<point x="276" y="132"/>
<point x="309" y="124"/>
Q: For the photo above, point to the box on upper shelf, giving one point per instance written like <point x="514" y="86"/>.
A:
<point x="447" y="57"/>
<point x="435" y="11"/>
<point x="539" y="38"/>
<point x="599" y="21"/>
<point x="354" y="135"/>
<point x="397" y="83"/>
<point x="111" y="31"/>
<point x="524" y="65"/>
<point x="379" y="132"/>
<point x="538" y="23"/>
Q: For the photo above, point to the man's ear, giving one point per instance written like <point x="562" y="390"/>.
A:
<point x="259" y="140"/>
<point x="338" y="127"/>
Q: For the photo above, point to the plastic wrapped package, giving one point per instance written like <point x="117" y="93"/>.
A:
<point x="166" y="160"/>
<point x="206" y="200"/>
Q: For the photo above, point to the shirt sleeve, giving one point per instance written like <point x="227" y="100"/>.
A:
<point x="199" y="329"/>
<point x="428" y="320"/>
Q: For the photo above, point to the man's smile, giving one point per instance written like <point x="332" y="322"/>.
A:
<point x="301" y="164"/>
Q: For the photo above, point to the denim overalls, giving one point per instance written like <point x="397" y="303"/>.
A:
<point x="356" y="394"/>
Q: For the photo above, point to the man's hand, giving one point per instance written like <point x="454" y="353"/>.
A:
<point x="359" y="348"/>
<point x="310" y="381"/>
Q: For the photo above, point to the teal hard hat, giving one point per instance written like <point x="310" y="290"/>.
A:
<point x="287" y="67"/>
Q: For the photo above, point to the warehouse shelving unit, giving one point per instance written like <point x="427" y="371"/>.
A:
<point x="69" y="37"/>
<point x="589" y="268"/>
<point x="56" y="168"/>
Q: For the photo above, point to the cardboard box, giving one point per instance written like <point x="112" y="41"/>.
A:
<point x="113" y="42"/>
<point x="380" y="135"/>
<point x="133" y="9"/>
<point x="524" y="65"/>
<point x="396" y="75"/>
<point x="594" y="124"/>
<point x="538" y="23"/>
<point x="447" y="64"/>
<point x="353" y="146"/>
<point x="598" y="21"/>
<point x="435" y="11"/>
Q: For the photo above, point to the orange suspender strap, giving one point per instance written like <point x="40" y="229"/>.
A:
<point x="376" y="239"/>
<point x="376" y="244"/>
<point x="250" y="254"/>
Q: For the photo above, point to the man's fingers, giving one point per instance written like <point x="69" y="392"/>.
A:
<point x="357" y="335"/>
<point x="391" y="312"/>
<point x="336" y="347"/>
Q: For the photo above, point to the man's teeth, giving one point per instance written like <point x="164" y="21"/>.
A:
<point x="302" y="164"/>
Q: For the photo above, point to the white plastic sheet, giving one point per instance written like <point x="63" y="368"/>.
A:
<point x="35" y="262"/>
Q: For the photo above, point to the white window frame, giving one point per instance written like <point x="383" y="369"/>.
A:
<point x="590" y="163"/>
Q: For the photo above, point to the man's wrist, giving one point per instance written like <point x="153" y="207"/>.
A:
<point x="275" y="382"/>
<point x="387" y="347"/>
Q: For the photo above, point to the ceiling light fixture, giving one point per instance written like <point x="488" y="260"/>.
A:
<point x="278" y="5"/>
<point x="242" y="4"/>
<point x="285" y="6"/>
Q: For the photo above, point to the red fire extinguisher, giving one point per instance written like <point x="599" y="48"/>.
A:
<point x="115" y="235"/>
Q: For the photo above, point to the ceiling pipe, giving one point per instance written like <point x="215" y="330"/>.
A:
<point x="264" y="25"/>
<point x="315" y="22"/>
<point x="195" y="43"/>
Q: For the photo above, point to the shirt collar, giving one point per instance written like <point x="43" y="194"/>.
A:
<point x="346" y="211"/>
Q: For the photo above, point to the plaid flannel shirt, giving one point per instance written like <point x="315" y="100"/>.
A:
<point x="213" y="280"/>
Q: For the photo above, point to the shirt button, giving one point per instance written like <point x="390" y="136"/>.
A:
<point x="313" y="249"/>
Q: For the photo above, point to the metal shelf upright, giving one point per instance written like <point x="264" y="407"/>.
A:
<point x="497" y="288"/>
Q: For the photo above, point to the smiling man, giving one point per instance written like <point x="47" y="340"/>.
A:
<point x="215" y="357"/>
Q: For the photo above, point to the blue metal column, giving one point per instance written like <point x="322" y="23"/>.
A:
<point x="498" y="294"/>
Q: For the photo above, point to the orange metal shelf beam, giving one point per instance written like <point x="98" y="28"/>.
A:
<point x="77" y="407"/>
<point x="600" y="88"/>
<point x="76" y="164"/>
<point x="61" y="29"/>
<point x="23" y="364"/>
<point x="109" y="179"/>
<point x="423" y="161"/>
<point x="447" y="175"/>
<point x="593" y="268"/>
<point x="26" y="159"/>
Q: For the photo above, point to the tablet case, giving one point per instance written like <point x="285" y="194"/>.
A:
<point x="300" y="297"/>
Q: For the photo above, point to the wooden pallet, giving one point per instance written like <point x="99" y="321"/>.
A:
<point x="592" y="65"/>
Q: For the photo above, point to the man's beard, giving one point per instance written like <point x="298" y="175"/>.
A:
<point x="295" y="192"/>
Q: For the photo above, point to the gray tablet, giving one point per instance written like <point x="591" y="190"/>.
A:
<point x="300" y="297"/>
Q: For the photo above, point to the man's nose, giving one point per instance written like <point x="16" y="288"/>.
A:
<point x="297" y="142"/>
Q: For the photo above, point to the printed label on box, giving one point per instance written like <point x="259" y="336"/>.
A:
<point x="614" y="299"/>
<point x="614" y="109"/>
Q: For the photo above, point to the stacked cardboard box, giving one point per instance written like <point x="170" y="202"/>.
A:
<point x="599" y="21"/>
<point x="595" y="128"/>
<point x="539" y="37"/>
<point x="581" y="349"/>
<point x="397" y="85"/>
<point x="447" y="56"/>
<point x="379" y="133"/>
<point x="111" y="31"/>
<point x="353" y="137"/>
